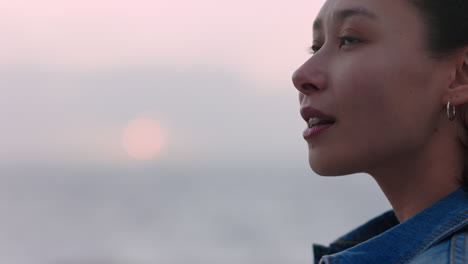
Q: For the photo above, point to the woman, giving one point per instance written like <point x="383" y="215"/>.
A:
<point x="384" y="93"/>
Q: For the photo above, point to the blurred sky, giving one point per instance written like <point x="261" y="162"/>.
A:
<point x="75" y="72"/>
<point x="215" y="76"/>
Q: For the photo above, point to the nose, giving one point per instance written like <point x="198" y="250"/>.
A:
<point x="308" y="78"/>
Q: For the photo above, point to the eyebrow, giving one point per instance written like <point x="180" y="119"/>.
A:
<point x="344" y="14"/>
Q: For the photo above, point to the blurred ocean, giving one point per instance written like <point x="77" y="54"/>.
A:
<point x="141" y="214"/>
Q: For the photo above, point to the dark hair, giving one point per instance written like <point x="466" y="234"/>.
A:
<point x="446" y="33"/>
<point x="446" y="25"/>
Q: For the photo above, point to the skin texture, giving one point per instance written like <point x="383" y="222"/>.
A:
<point x="388" y="96"/>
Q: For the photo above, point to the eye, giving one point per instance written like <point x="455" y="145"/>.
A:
<point x="344" y="40"/>
<point x="314" y="49"/>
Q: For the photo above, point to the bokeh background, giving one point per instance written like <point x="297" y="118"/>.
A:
<point x="157" y="131"/>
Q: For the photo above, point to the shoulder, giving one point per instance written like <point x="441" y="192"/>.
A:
<point x="453" y="250"/>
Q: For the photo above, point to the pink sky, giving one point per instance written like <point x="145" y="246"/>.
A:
<point x="261" y="41"/>
<point x="98" y="33"/>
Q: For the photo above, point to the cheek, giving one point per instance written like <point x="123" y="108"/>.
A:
<point x="363" y="93"/>
<point x="371" y="104"/>
<point x="382" y="87"/>
<point x="378" y="107"/>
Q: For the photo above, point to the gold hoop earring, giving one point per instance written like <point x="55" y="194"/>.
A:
<point x="450" y="117"/>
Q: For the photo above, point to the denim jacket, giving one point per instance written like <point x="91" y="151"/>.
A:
<point x="437" y="235"/>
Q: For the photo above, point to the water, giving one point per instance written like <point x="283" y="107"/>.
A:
<point x="153" y="214"/>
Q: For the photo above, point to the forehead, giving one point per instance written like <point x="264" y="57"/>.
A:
<point x="399" y="12"/>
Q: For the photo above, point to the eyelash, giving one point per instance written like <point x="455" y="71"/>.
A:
<point x="314" y="49"/>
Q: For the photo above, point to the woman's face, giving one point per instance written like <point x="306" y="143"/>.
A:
<point x="379" y="83"/>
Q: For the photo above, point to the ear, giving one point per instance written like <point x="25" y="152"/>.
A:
<point x="458" y="90"/>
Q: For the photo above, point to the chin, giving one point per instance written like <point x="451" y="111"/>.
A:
<point x="330" y="168"/>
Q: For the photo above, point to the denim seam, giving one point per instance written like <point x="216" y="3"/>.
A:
<point x="464" y="247"/>
<point x="439" y="231"/>
<point x="336" y="259"/>
<point x="457" y="245"/>
<point x="454" y="246"/>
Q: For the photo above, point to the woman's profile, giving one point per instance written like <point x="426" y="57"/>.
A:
<point x="385" y="93"/>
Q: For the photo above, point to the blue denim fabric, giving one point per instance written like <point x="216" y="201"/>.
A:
<point x="438" y="234"/>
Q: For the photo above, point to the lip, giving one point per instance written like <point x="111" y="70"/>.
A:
<point x="308" y="112"/>
<point x="314" y="131"/>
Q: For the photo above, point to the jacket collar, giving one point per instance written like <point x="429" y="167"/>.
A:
<point x="386" y="241"/>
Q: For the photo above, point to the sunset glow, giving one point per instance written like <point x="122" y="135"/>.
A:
<point x="143" y="139"/>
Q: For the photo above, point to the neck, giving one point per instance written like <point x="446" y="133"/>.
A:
<point x="416" y="181"/>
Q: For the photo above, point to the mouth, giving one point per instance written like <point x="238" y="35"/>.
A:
<point x="313" y="116"/>
<point x="316" y="121"/>
<point x="316" y="127"/>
